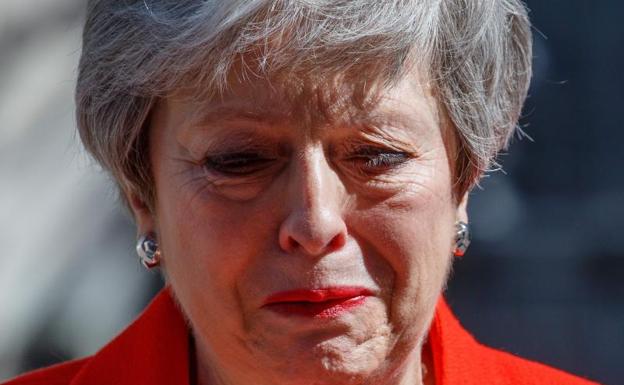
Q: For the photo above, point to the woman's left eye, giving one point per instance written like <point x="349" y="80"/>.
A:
<point x="377" y="160"/>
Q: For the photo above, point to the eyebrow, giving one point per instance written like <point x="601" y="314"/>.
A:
<point x="270" y="117"/>
<point x="225" y="113"/>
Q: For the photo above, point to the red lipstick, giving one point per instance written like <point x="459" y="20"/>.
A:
<point x="316" y="303"/>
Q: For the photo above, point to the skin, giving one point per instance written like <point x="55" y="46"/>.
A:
<point x="313" y="206"/>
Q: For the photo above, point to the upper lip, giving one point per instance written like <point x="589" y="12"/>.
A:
<point x="317" y="295"/>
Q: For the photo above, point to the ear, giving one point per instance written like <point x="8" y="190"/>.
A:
<point x="462" y="208"/>
<point x="143" y="215"/>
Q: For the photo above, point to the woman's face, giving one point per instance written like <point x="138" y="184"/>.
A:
<point x="307" y="239"/>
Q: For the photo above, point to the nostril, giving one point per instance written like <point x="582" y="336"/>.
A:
<point x="291" y="244"/>
<point x="313" y="247"/>
<point x="337" y="242"/>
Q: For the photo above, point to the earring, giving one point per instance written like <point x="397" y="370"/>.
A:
<point x="148" y="251"/>
<point x="462" y="238"/>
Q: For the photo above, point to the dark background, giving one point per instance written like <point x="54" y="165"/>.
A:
<point x="544" y="277"/>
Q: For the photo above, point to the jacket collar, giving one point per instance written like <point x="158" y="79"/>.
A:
<point x="457" y="356"/>
<point x="154" y="349"/>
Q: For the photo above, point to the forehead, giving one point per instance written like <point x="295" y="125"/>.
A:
<point x="313" y="102"/>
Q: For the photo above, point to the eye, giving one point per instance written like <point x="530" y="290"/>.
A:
<point x="378" y="160"/>
<point x="237" y="163"/>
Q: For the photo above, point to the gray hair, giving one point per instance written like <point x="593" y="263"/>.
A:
<point x="477" y="53"/>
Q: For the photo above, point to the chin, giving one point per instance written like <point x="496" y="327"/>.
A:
<point x="340" y="360"/>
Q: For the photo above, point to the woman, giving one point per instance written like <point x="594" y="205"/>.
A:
<point x="299" y="171"/>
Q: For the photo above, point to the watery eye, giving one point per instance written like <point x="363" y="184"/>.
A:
<point x="237" y="164"/>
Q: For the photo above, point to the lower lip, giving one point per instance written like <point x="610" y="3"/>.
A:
<point x="326" y="309"/>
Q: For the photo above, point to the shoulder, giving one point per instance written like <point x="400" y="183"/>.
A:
<point x="513" y="370"/>
<point x="60" y="374"/>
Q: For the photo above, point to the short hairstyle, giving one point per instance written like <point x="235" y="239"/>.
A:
<point x="477" y="54"/>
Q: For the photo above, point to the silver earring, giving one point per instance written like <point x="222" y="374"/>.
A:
<point x="462" y="238"/>
<point x="148" y="251"/>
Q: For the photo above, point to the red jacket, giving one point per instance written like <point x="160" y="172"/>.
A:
<point x="154" y="350"/>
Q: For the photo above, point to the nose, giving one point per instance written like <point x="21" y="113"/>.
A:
<point x="314" y="224"/>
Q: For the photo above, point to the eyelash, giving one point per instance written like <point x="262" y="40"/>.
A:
<point x="378" y="160"/>
<point x="368" y="160"/>
<point x="236" y="163"/>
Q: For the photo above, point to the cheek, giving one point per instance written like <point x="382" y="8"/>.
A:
<point x="412" y="232"/>
<point x="208" y="243"/>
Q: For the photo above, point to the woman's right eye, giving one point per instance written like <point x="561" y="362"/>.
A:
<point x="237" y="164"/>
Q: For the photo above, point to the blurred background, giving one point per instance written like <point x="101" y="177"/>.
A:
<point x="544" y="277"/>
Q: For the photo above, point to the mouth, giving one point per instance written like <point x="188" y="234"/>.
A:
<point x="316" y="303"/>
